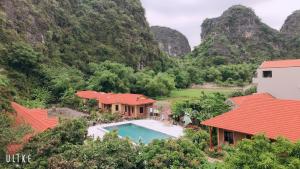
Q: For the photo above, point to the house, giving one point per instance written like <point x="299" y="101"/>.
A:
<point x="274" y="110"/>
<point x="255" y="114"/>
<point x="37" y="119"/>
<point x="279" y="78"/>
<point x="129" y="105"/>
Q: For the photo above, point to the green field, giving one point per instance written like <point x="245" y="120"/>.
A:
<point x="181" y="94"/>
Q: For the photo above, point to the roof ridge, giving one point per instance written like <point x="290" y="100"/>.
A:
<point x="42" y="122"/>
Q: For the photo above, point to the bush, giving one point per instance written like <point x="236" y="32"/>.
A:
<point x="260" y="152"/>
<point x="23" y="58"/>
<point x="161" y="85"/>
<point x="203" y="108"/>
<point x="108" y="117"/>
<point x="55" y="141"/>
<point x="110" y="152"/>
<point x="181" y="153"/>
<point x="247" y="92"/>
<point x="200" y="138"/>
<point x="69" y="99"/>
<point x="250" y="90"/>
<point x="110" y="77"/>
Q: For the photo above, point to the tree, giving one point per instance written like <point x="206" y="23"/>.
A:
<point x="110" y="77"/>
<point x="23" y="58"/>
<point x="204" y="107"/>
<point x="51" y="142"/>
<point x="181" y="153"/>
<point x="6" y="93"/>
<point x="182" y="79"/>
<point x="261" y="153"/>
<point x="111" y="152"/>
<point x="9" y="133"/>
<point x="199" y="138"/>
<point x="70" y="99"/>
<point x="212" y="75"/>
<point x="161" y="85"/>
<point x="141" y="79"/>
<point x="63" y="78"/>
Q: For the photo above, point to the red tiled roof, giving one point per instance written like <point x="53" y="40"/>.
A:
<point x="38" y="120"/>
<point x="261" y="113"/>
<point x="280" y="64"/>
<point x="241" y="99"/>
<point x="88" y="94"/>
<point x="111" y="98"/>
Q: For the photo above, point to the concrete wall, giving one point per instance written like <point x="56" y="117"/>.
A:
<point x="284" y="84"/>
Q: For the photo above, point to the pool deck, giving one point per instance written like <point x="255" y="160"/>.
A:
<point x="98" y="131"/>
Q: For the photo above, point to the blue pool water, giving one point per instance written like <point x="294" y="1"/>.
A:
<point x="137" y="133"/>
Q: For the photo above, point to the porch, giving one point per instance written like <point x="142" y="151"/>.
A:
<point x="226" y="137"/>
<point x="128" y="111"/>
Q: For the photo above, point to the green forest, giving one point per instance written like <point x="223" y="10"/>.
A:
<point x="65" y="46"/>
<point x="51" y="49"/>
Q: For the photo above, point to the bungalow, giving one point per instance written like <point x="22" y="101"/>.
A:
<point x="37" y="119"/>
<point x="255" y="114"/>
<point x="129" y="105"/>
<point x="274" y="110"/>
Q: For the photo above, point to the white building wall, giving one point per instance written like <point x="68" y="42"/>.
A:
<point x="284" y="84"/>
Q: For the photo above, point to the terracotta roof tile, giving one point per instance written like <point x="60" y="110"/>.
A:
<point x="261" y="113"/>
<point x="38" y="120"/>
<point x="280" y="64"/>
<point x="111" y="98"/>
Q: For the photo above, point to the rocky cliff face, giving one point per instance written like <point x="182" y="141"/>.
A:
<point x="291" y="26"/>
<point x="41" y="36"/>
<point x="79" y="31"/>
<point x="171" y="41"/>
<point x="290" y="31"/>
<point x="238" y="35"/>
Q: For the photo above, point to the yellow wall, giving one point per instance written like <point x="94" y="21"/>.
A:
<point x="236" y="137"/>
<point x="136" y="109"/>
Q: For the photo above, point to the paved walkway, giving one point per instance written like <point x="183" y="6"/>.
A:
<point x="65" y="112"/>
<point x="98" y="131"/>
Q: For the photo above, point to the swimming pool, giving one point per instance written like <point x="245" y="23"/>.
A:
<point x="137" y="133"/>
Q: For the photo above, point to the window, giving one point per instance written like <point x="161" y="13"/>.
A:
<point x="228" y="137"/>
<point x="125" y="108"/>
<point x="248" y="136"/>
<point x="267" y="74"/>
<point x="117" y="107"/>
<point x="141" y="109"/>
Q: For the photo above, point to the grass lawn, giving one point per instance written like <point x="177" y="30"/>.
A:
<point x="181" y="94"/>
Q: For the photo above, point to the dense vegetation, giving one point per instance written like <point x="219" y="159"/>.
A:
<point x="43" y="42"/>
<point x="261" y="153"/>
<point x="51" y="49"/>
<point x="99" y="45"/>
<point x="202" y="108"/>
<point x="10" y="134"/>
<point x="68" y="147"/>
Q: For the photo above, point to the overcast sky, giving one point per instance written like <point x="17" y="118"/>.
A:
<point x="187" y="16"/>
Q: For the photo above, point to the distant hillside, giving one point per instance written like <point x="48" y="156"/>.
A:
<point x="77" y="32"/>
<point x="291" y="25"/>
<point x="238" y="35"/>
<point x="291" y="33"/>
<point x="40" y="40"/>
<point x="171" y="41"/>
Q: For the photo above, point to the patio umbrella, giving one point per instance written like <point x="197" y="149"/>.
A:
<point x="187" y="120"/>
